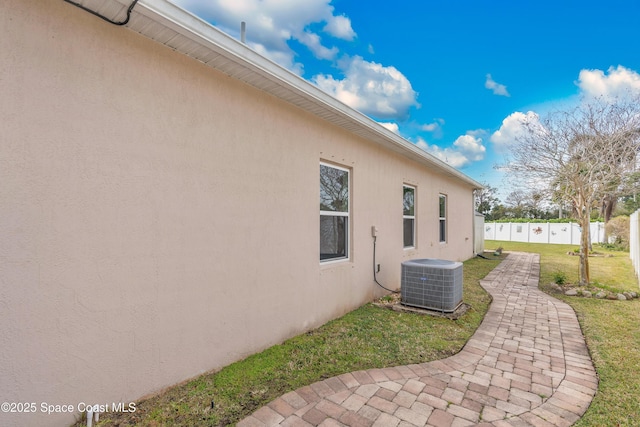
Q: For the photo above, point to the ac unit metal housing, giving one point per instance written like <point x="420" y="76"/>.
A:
<point x="433" y="284"/>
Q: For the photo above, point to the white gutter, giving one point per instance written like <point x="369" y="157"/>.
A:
<point x="264" y="74"/>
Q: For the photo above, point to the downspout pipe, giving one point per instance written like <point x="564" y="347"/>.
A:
<point x="93" y="12"/>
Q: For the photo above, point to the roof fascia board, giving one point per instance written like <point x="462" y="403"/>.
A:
<point x="200" y="31"/>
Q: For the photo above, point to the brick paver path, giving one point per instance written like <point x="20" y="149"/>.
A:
<point x="526" y="365"/>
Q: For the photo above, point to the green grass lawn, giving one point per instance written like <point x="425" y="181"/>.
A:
<point x="611" y="328"/>
<point x="369" y="337"/>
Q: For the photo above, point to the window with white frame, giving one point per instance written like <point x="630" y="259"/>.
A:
<point x="334" y="213"/>
<point x="443" y="218"/>
<point x="409" y="216"/>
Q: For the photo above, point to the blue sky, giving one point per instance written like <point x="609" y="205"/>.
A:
<point x="453" y="77"/>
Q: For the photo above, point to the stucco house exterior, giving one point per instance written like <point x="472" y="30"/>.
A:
<point x="171" y="202"/>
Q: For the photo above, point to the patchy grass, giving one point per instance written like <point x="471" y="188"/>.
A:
<point x="611" y="328"/>
<point x="369" y="337"/>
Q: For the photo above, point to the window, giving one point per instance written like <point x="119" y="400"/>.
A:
<point x="443" y="218"/>
<point x="408" y="216"/>
<point x="334" y="213"/>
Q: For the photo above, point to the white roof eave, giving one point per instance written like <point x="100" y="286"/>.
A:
<point x="176" y="28"/>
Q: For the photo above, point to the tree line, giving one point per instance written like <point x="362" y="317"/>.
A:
<point x="534" y="206"/>
<point x="574" y="162"/>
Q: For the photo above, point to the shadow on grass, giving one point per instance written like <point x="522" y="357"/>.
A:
<point x="368" y="337"/>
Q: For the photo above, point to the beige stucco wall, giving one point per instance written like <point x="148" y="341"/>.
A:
<point x="159" y="219"/>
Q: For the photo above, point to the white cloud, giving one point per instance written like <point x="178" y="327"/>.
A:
<point x="433" y="127"/>
<point x="447" y="155"/>
<point x="313" y="42"/>
<point x="393" y="127"/>
<point x="340" y="27"/>
<point x="271" y="24"/>
<point x="371" y="88"/>
<point x="480" y="133"/>
<point x="512" y="127"/>
<point x="497" y="88"/>
<point x="282" y="58"/>
<point x="471" y="147"/>
<point x="618" y="81"/>
<point x="615" y="82"/>
<point x="466" y="149"/>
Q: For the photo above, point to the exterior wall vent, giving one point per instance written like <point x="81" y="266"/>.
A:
<point x="434" y="284"/>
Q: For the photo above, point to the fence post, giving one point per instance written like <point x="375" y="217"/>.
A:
<point x="570" y="233"/>
<point x="634" y="240"/>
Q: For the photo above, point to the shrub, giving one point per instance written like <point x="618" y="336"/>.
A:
<point x="618" y="231"/>
<point x="559" y="277"/>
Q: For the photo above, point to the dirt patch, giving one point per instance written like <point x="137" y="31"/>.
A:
<point x="393" y="302"/>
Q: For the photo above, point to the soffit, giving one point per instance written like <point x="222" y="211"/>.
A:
<point x="181" y="31"/>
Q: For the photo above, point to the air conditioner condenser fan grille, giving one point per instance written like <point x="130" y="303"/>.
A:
<point x="432" y="284"/>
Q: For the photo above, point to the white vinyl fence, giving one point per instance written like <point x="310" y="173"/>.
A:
<point x="542" y="232"/>
<point x="634" y="240"/>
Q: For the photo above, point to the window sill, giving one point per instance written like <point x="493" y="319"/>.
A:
<point x="331" y="262"/>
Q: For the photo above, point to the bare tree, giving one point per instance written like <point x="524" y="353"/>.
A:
<point x="516" y="201"/>
<point x="536" y="202"/>
<point x="581" y="156"/>
<point x="485" y="199"/>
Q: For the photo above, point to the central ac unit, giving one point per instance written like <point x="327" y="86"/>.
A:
<point x="434" y="284"/>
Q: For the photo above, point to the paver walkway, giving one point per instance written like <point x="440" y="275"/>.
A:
<point x="526" y="365"/>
